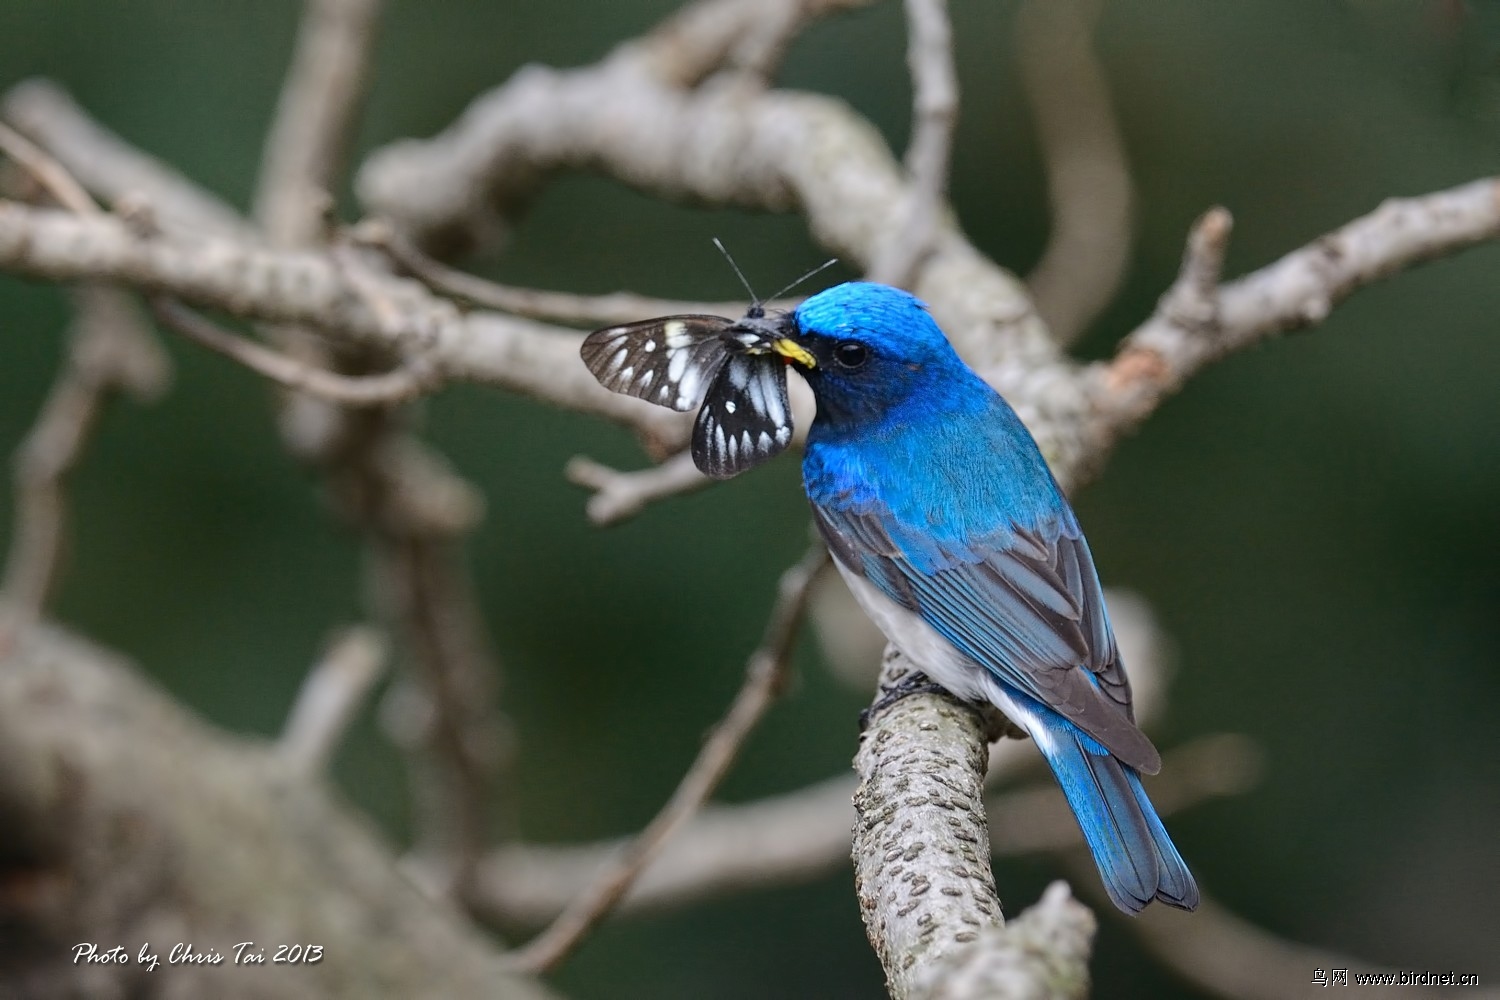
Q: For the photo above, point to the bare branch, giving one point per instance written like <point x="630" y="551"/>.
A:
<point x="1042" y="953"/>
<point x="921" y="858"/>
<point x="1088" y="178"/>
<point x="416" y="376"/>
<point x="798" y="836"/>
<point x="929" y="55"/>
<point x="320" y="98"/>
<point x="311" y="289"/>
<point x="1200" y="321"/>
<point x="330" y="697"/>
<point x="771" y="150"/>
<point x="765" y="676"/>
<point x="619" y="496"/>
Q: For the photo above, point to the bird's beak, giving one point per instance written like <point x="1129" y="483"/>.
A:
<point x="793" y="351"/>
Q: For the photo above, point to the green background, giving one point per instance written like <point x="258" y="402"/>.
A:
<point x="1316" y="522"/>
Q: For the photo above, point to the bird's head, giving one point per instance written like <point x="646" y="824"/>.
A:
<point x="869" y="351"/>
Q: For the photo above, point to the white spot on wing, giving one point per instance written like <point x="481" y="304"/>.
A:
<point x="729" y="406"/>
<point x="677" y="365"/>
<point x="649" y="346"/>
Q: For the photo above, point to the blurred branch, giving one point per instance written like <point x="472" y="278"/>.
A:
<point x="1088" y="178"/>
<point x="765" y="678"/>
<point x="934" y="113"/>
<point x="1200" y="321"/>
<point x="802" y="835"/>
<point x="320" y="98"/>
<point x="922" y="867"/>
<point x="769" y="150"/>
<point x="311" y="289"/>
<point x="128" y="821"/>
<point x="110" y="167"/>
<point x="619" y="496"/>
<point x="330" y="697"/>
<point x="109" y="350"/>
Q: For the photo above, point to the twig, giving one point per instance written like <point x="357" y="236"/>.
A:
<point x="1088" y="178"/>
<point x="47" y="172"/>
<point x="765" y="676"/>
<point x="416" y="375"/>
<point x="929" y="56"/>
<point x="553" y="307"/>
<point x="619" y="496"/>
<point x="798" y="836"/>
<point x="330" y="697"/>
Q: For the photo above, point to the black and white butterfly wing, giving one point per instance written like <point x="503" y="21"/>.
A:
<point x="746" y="417"/>
<point x="669" y="361"/>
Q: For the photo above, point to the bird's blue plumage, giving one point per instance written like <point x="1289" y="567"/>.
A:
<point x="945" y="519"/>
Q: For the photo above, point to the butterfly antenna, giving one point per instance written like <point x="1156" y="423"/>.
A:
<point x="817" y="270"/>
<point x="755" y="308"/>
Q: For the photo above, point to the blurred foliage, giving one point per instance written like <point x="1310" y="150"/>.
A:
<point x="1315" y="522"/>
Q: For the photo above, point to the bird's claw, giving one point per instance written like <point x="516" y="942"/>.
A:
<point x="915" y="682"/>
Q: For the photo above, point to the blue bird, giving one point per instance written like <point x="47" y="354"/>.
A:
<point x="945" y="521"/>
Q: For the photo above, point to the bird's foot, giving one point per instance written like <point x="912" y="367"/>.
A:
<point x="915" y="682"/>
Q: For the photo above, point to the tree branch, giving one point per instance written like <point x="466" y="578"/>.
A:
<point x="415" y="377"/>
<point x="1200" y="321"/>
<point x="929" y="57"/>
<point x="921" y="859"/>
<point x="765" y="677"/>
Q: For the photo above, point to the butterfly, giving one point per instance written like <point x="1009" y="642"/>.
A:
<point x="710" y="363"/>
<point x="744" y="414"/>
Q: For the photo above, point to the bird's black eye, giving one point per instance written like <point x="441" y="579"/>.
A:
<point x="850" y="353"/>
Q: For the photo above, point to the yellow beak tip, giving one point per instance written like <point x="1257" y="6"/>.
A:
<point x="788" y="348"/>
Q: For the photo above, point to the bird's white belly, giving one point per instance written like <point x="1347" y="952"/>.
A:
<point x="932" y="654"/>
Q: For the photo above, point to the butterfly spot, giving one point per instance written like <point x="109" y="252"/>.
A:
<point x="729" y="406"/>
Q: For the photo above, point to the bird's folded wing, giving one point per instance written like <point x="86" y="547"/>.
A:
<point x="1024" y="604"/>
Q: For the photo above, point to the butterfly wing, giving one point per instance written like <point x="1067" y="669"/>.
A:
<point x="746" y="417"/>
<point x="669" y="361"/>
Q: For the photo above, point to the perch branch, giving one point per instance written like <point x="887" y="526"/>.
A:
<point x="921" y="854"/>
<point x="1088" y="178"/>
<point x="765" y="677"/>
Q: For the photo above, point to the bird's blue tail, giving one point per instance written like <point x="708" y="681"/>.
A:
<point x="1136" y="858"/>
